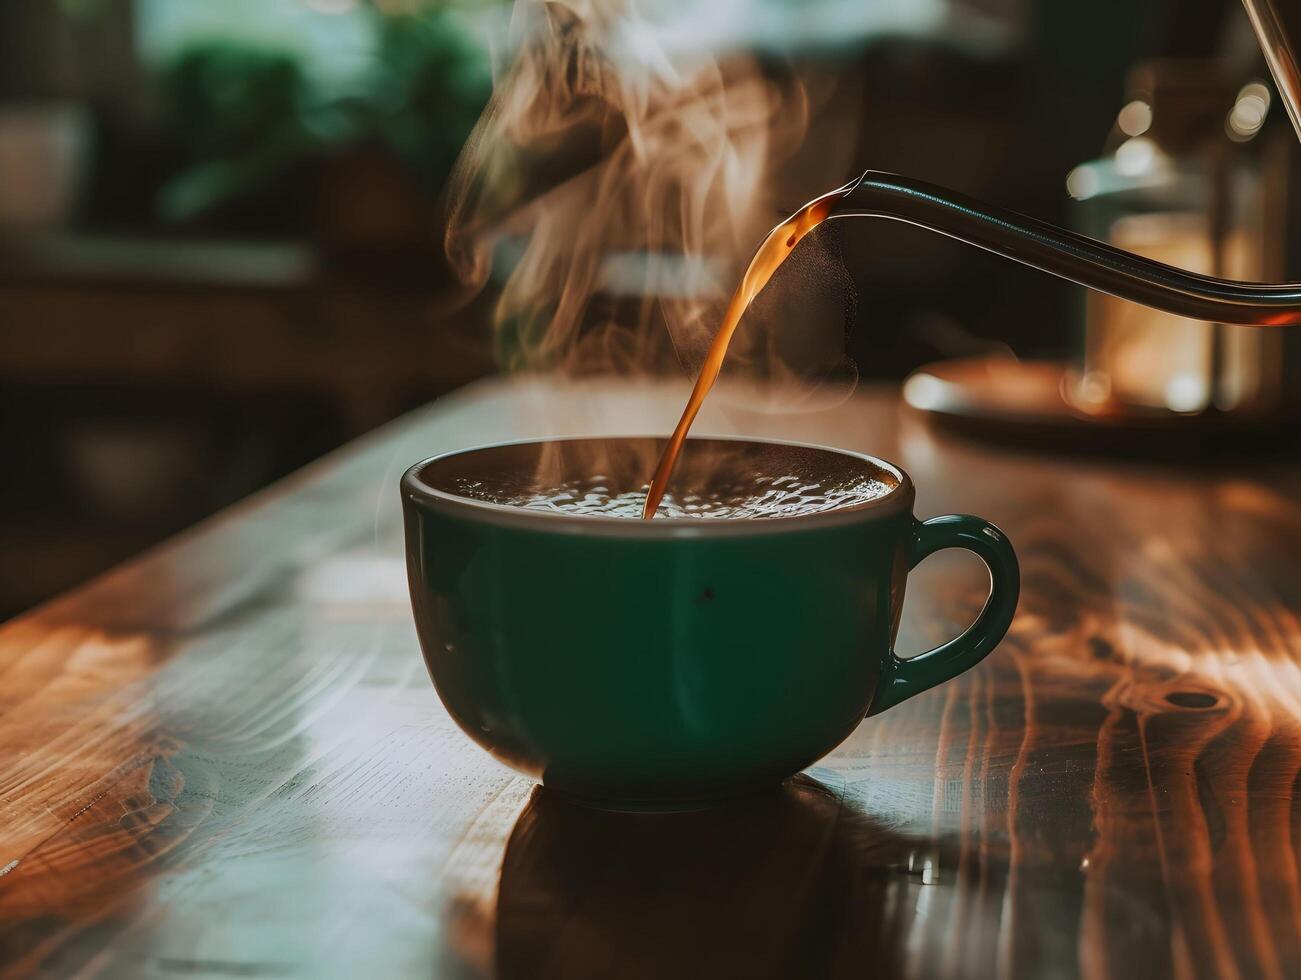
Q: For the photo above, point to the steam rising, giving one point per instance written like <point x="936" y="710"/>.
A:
<point x="617" y="184"/>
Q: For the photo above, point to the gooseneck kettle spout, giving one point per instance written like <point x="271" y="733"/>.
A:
<point x="1091" y="263"/>
<point x="1077" y="258"/>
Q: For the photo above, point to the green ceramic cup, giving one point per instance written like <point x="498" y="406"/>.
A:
<point x="636" y="664"/>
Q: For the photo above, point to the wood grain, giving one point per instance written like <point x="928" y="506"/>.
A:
<point x="225" y="758"/>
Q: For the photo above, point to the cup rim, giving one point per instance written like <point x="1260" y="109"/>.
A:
<point x="416" y="491"/>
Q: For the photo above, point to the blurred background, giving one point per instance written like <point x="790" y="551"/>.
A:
<point x="221" y="245"/>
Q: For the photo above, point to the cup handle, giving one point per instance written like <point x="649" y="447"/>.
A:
<point x="901" y="678"/>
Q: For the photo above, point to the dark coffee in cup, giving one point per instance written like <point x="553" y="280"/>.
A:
<point x="715" y="479"/>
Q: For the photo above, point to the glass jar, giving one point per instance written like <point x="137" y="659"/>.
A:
<point x="1176" y="188"/>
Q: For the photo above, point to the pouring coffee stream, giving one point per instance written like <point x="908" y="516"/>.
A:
<point x="772" y="252"/>
<point x="1035" y="243"/>
<point x="1091" y="263"/>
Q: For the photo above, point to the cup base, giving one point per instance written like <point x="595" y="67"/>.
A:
<point x="692" y="804"/>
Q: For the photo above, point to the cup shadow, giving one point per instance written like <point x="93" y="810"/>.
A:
<point x="793" y="883"/>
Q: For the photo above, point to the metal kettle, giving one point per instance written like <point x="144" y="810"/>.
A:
<point x="1089" y="262"/>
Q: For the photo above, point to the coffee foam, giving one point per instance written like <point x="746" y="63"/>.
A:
<point x="718" y="479"/>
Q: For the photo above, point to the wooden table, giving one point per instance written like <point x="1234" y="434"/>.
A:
<point x="225" y="759"/>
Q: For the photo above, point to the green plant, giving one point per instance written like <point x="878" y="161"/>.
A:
<point x="247" y="112"/>
<point x="432" y="86"/>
